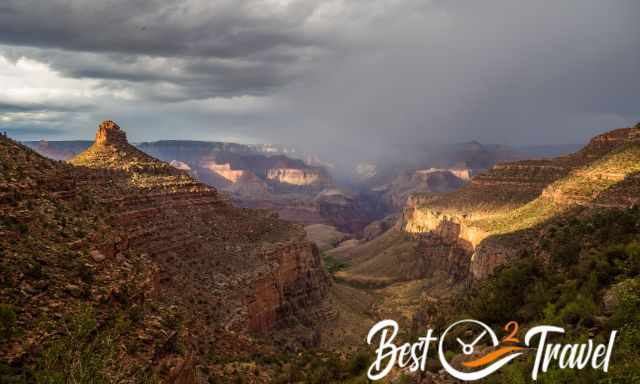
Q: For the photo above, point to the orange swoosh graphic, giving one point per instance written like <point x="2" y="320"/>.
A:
<point x="490" y="357"/>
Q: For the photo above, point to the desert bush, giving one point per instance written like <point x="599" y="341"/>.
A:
<point x="7" y="321"/>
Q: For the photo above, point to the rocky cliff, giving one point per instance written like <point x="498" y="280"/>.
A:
<point x="299" y="177"/>
<point x="230" y="160"/>
<point x="256" y="175"/>
<point x="494" y="216"/>
<point x="154" y="237"/>
<point x="423" y="181"/>
<point x="201" y="236"/>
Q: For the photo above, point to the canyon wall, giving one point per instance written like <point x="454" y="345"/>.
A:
<point x="495" y="217"/>
<point x="220" y="263"/>
<point x="144" y="257"/>
<point x="299" y="177"/>
<point x="294" y="283"/>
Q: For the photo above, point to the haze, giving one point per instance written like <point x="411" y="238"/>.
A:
<point x="342" y="78"/>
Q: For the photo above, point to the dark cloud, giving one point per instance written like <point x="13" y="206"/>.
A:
<point x="204" y="48"/>
<point x="231" y="28"/>
<point x="347" y="78"/>
<point x="6" y="107"/>
<point x="193" y="78"/>
<point x="497" y="71"/>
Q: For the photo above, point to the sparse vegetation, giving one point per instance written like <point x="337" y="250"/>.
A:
<point x="593" y="280"/>
<point x="7" y="321"/>
<point x="333" y="264"/>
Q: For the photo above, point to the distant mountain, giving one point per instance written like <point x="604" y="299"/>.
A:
<point x="256" y="176"/>
<point x="218" y="164"/>
<point x="59" y="150"/>
<point x="221" y="164"/>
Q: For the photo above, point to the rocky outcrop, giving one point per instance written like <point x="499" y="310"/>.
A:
<point x="490" y="218"/>
<point x="294" y="282"/>
<point x="224" y="170"/>
<point x="54" y="228"/>
<point x="299" y="177"/>
<point x="119" y="229"/>
<point x="192" y="233"/>
<point x="109" y="133"/>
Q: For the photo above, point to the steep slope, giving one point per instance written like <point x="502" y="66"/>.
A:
<point x="497" y="216"/>
<point x="390" y="257"/>
<point x="489" y="218"/>
<point x="155" y="239"/>
<point x="62" y="300"/>
<point x="324" y="236"/>
<point x="249" y="242"/>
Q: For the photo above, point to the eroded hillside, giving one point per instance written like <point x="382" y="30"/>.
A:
<point x="122" y="249"/>
<point x="490" y="217"/>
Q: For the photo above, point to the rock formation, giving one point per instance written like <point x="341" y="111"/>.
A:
<point x="300" y="177"/>
<point x="157" y="239"/>
<point x="109" y="133"/>
<point x="432" y="180"/>
<point x="486" y="223"/>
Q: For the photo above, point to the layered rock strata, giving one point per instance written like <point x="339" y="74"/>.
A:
<point x="202" y="244"/>
<point x="492" y="217"/>
<point x="157" y="238"/>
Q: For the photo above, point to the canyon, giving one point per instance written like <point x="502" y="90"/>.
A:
<point x="199" y="272"/>
<point x="149" y="241"/>
<point x="495" y="216"/>
<point x="448" y="248"/>
<point x="254" y="176"/>
<point x="266" y="176"/>
<point x="492" y="216"/>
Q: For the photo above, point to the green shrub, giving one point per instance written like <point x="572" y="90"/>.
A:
<point x="358" y="363"/>
<point x="577" y="311"/>
<point x="334" y="265"/>
<point x="22" y="228"/>
<point x="80" y="355"/>
<point x="7" y="321"/>
<point x="505" y="295"/>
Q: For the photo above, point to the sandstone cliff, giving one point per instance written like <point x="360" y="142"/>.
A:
<point x="493" y="217"/>
<point x="299" y="177"/>
<point x="212" y="233"/>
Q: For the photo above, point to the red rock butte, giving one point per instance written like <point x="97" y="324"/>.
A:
<point x="109" y="133"/>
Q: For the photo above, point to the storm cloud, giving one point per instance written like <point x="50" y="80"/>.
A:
<point x="343" y="78"/>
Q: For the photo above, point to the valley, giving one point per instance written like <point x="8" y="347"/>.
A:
<point x="222" y="261"/>
<point x="520" y="226"/>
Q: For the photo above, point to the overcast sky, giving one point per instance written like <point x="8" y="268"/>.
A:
<point x="358" y="75"/>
